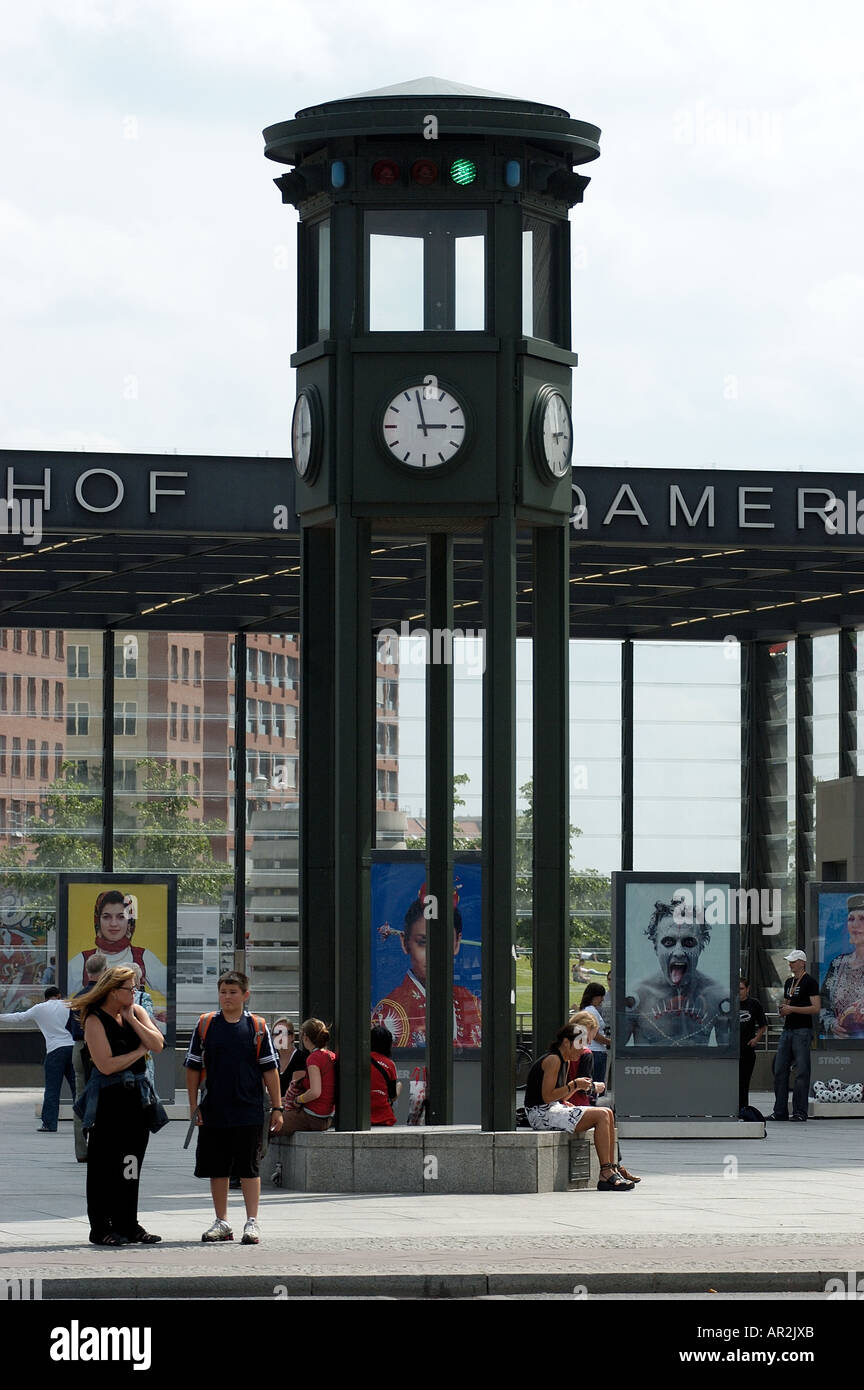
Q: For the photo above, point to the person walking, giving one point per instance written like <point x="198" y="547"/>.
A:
<point x="801" y="1003"/>
<point x="50" y="1017"/>
<point x="92" y="970"/>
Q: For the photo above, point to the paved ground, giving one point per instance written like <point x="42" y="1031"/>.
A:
<point x="783" y="1214"/>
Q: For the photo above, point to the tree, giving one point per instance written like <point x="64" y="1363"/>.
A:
<point x="161" y="836"/>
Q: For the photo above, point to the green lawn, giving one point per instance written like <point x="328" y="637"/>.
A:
<point x="597" y="970"/>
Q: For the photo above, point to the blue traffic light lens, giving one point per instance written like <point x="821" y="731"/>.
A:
<point x="338" y="173"/>
<point x="513" y="173"/>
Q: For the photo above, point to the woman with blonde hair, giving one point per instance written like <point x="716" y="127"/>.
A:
<point x="315" y="1105"/>
<point x="118" y="1105"/>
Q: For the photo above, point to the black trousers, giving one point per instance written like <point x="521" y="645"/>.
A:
<point x="745" y="1073"/>
<point x="115" y="1152"/>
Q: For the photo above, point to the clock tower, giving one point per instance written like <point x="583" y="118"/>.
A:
<point x="434" y="398"/>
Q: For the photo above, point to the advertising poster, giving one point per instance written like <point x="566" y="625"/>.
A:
<point x="26" y="950"/>
<point x="836" y="958"/>
<point x="401" y="922"/>
<point x="132" y="920"/>
<point x="676" y="964"/>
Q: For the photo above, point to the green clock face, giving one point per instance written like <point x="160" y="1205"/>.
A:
<point x="307" y="433"/>
<point x="551" y="435"/>
<point x="423" y="427"/>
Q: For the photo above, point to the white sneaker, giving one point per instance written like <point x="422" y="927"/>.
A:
<point x="251" y="1233"/>
<point x="220" y="1230"/>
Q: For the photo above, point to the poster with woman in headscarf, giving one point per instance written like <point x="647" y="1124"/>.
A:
<point x="130" y="920"/>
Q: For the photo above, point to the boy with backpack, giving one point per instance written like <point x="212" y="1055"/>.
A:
<point x="231" y="1054"/>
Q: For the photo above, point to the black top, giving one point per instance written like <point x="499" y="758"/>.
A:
<point x="234" y="1087"/>
<point x="534" y="1083"/>
<point x="751" y="1017"/>
<point x="296" y="1062"/>
<point x="121" y="1038"/>
<point x="800" y="993"/>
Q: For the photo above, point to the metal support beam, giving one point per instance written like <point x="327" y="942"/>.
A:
<point x="499" y="825"/>
<point x="316" y="849"/>
<point x="108" y="751"/>
<point x="627" y="762"/>
<point x="848" y="696"/>
<point x="551" y="800"/>
<point x="354" y="771"/>
<point x="240" y="801"/>
<point x="804" y="783"/>
<point x="439" y="832"/>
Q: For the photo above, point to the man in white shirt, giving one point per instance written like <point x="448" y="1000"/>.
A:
<point x="50" y="1018"/>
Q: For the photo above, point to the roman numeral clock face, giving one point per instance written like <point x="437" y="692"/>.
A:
<point x="423" y="427"/>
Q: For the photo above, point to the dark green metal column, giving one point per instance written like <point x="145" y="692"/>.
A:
<point x="240" y="801"/>
<point x="499" y="825"/>
<point x="353" y="803"/>
<point x="804" y="785"/>
<point x="551" y="722"/>
<point x="316" y="853"/>
<point x="627" y="763"/>
<point x="848" y="694"/>
<point x="439" y="832"/>
<point x="751" y="956"/>
<point x="108" y="751"/>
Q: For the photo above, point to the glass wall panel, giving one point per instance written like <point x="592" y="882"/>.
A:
<point x="426" y="270"/>
<point x="50" y="793"/>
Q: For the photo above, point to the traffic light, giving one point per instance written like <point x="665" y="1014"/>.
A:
<point x="302" y="183"/>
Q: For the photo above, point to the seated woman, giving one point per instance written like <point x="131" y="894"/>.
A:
<point x="546" y="1091"/>
<point x="314" y="1106"/>
<point x="581" y="1070"/>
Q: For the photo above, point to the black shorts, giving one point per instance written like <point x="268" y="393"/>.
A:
<point x="226" y="1153"/>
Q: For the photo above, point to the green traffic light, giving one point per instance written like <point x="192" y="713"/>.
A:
<point x="463" y="171"/>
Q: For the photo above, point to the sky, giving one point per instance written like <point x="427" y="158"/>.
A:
<point x="147" y="291"/>
<point x="147" y="264"/>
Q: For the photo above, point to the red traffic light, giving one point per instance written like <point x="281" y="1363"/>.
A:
<point x="385" y="172"/>
<point x="424" y="171"/>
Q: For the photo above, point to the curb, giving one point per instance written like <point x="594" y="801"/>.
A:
<point x="432" y="1286"/>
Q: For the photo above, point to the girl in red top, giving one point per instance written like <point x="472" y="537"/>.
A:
<point x="383" y="1078"/>
<point x="316" y="1104"/>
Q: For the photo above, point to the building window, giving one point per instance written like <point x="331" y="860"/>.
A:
<point x="31" y="696"/>
<point x="184" y="722"/>
<point x="184" y="665"/>
<point x="16" y="639"/>
<point x="291" y="721"/>
<point x="46" y="642"/>
<point x="58" y="644"/>
<point x="58" y="760"/>
<point x="263" y="716"/>
<point x="232" y="659"/>
<point x="31" y="758"/>
<point x="279" y="722"/>
<point x="266" y="667"/>
<point x="174" y="672"/>
<point x="232" y="761"/>
<point x="2" y="755"/>
<point x="43" y="762"/>
<point x="16" y="694"/>
<point x="196" y="667"/>
<point x="172" y="721"/>
<point x="78" y="718"/>
<point x="4" y="694"/>
<point x="290" y="672"/>
<point x="78" y="662"/>
<point x="58" y="700"/>
<point x="46" y="700"/>
<point x="125" y="717"/>
<point x="278" y="668"/>
<point x="124" y="774"/>
<point x="31" y="641"/>
<point x="16" y="757"/>
<point x="4" y="640"/>
<point x="126" y="659"/>
<point x="196" y="724"/>
<point x="196" y="772"/>
<point x="184" y="767"/>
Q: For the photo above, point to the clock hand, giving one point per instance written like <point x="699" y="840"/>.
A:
<point x="422" y="425"/>
<point x="426" y="427"/>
